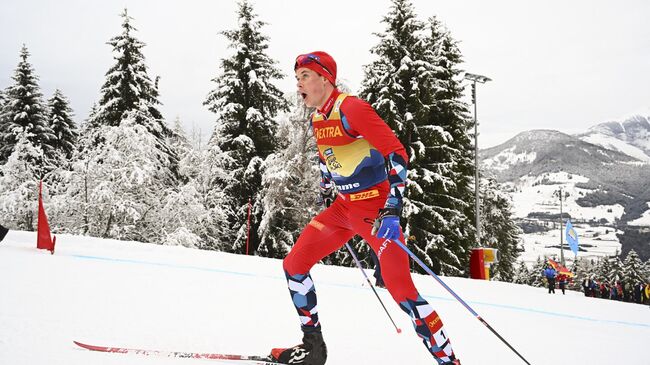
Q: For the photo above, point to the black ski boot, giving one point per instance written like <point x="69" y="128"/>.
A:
<point x="312" y="351"/>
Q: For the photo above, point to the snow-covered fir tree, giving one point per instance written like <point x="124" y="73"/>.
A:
<point x="212" y="175"/>
<point x="633" y="269"/>
<point x="188" y="155"/>
<point x="414" y="86"/>
<point x="536" y="273"/>
<point x="19" y="181"/>
<point x="117" y="186"/>
<point x="127" y="82"/>
<point x="616" y="269"/>
<point x="290" y="182"/>
<point x="3" y="101"/>
<point x="522" y="274"/>
<point x="603" y="269"/>
<point x="62" y="125"/>
<point x="245" y="102"/>
<point x="25" y="115"/>
<point x="498" y="228"/>
<point x="124" y="170"/>
<point x="128" y="88"/>
<point x="583" y="269"/>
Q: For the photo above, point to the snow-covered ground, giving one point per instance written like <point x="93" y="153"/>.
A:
<point x="171" y="298"/>
<point x="539" y="194"/>
<point x="508" y="158"/>
<point x="616" y="144"/>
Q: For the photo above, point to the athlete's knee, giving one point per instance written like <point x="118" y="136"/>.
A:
<point x="397" y="279"/>
<point x="295" y="264"/>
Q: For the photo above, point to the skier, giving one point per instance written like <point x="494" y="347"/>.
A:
<point x="361" y="155"/>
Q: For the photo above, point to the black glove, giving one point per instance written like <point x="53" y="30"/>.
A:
<point x="327" y="197"/>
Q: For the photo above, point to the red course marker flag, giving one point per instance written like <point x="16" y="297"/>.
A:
<point x="44" y="238"/>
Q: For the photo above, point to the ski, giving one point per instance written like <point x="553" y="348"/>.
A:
<point x="257" y="360"/>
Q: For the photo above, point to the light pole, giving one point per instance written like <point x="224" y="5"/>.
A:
<point x="561" y="195"/>
<point x="482" y="79"/>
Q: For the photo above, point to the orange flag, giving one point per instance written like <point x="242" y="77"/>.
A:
<point x="560" y="269"/>
<point x="43" y="235"/>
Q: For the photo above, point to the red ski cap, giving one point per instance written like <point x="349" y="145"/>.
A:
<point x="319" y="62"/>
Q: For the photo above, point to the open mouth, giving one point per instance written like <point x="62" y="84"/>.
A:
<point x="303" y="95"/>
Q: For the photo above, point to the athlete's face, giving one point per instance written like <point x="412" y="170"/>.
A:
<point x="314" y="88"/>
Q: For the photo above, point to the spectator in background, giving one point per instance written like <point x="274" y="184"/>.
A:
<point x="628" y="292"/>
<point x="3" y="232"/>
<point x="638" y="292"/>
<point x="619" y="290"/>
<point x="604" y="290"/>
<point x="647" y="293"/>
<point x="550" y="275"/>
<point x="586" y="288"/>
<point x="593" y="285"/>
<point x="613" y="293"/>
<point x="561" y="279"/>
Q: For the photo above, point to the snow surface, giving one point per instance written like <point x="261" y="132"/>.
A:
<point x="644" y="220"/>
<point x="616" y="144"/>
<point x="131" y="294"/>
<point x="508" y="158"/>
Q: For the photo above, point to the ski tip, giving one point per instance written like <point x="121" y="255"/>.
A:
<point x="83" y="345"/>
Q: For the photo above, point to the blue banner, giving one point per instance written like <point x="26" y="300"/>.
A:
<point x="571" y="237"/>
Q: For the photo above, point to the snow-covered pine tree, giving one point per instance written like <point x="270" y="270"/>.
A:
<point x="128" y="88"/>
<point x="392" y="85"/>
<point x="125" y="167"/>
<point x="120" y="184"/>
<point x="290" y="182"/>
<point x="522" y="274"/>
<point x="212" y="175"/>
<point x="499" y="229"/>
<point x="3" y="103"/>
<point x="3" y="100"/>
<point x="189" y="158"/>
<point x="449" y="157"/>
<point x="394" y="81"/>
<point x="603" y="269"/>
<point x="19" y="181"/>
<point x="25" y="115"/>
<point x="633" y="269"/>
<point x="536" y="273"/>
<point x="62" y="125"/>
<point x="616" y="269"/>
<point x="413" y="85"/>
<point x="584" y="269"/>
<point x="245" y="102"/>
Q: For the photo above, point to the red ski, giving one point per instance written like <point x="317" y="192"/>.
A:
<point x="257" y="360"/>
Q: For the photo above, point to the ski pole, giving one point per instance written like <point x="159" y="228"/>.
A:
<point x="356" y="259"/>
<point x="430" y="272"/>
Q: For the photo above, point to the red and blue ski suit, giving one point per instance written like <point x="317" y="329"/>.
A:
<point x="361" y="155"/>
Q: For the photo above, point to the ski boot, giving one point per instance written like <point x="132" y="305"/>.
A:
<point x="312" y="351"/>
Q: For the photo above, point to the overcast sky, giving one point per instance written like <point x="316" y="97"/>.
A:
<point x="563" y="65"/>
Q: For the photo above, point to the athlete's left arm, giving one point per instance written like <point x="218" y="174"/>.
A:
<point x="363" y="120"/>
